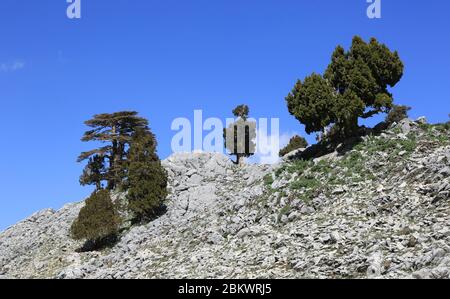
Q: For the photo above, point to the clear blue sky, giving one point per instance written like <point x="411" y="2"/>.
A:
<point x="167" y="58"/>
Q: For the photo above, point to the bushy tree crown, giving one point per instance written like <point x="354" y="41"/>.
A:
<point x="355" y="84"/>
<point x="98" y="219"/>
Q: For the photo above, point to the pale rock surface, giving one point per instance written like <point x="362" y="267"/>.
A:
<point x="225" y="221"/>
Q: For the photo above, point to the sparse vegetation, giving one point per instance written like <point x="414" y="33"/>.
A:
<point x="320" y="177"/>
<point x="268" y="179"/>
<point x="284" y="211"/>
<point x="295" y="143"/>
<point x="391" y="146"/>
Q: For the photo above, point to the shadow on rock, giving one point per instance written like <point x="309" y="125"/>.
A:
<point x="99" y="244"/>
<point x="339" y="145"/>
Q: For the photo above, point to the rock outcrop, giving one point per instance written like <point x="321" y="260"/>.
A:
<point x="380" y="210"/>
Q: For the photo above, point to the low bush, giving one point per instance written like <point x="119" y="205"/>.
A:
<point x="295" y="143"/>
<point x="397" y="113"/>
<point x="97" y="221"/>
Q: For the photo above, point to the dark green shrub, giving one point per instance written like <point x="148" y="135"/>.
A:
<point x="295" y="143"/>
<point x="268" y="180"/>
<point x="397" y="113"/>
<point x="98" y="219"/>
<point x="241" y="111"/>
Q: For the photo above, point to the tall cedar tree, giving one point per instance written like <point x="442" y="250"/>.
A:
<point x="98" y="219"/>
<point x="108" y="162"/>
<point x="239" y="136"/>
<point x="354" y="85"/>
<point x="147" y="179"/>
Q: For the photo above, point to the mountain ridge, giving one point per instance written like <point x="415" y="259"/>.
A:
<point x="381" y="209"/>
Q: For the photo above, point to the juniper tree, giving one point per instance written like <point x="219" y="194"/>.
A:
<point x="97" y="220"/>
<point x="239" y="136"/>
<point x="115" y="130"/>
<point x="354" y="85"/>
<point x="147" y="179"/>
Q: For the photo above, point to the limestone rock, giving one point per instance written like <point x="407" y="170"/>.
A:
<point x="384" y="216"/>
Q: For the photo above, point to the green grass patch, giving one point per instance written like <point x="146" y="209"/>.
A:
<point x="305" y="183"/>
<point x="268" y="180"/>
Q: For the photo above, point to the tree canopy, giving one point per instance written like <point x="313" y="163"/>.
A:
<point x="239" y="136"/>
<point x="115" y="131"/>
<point x="98" y="219"/>
<point x="354" y="85"/>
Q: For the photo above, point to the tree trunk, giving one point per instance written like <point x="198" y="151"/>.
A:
<point x="112" y="161"/>
<point x="350" y="128"/>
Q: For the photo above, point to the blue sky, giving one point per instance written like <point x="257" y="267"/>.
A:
<point x="167" y="58"/>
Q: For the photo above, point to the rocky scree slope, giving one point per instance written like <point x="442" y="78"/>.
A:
<point x="381" y="209"/>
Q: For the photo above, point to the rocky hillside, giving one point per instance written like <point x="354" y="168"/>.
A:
<point x="380" y="209"/>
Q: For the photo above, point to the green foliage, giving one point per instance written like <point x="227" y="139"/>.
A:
<point x="268" y="179"/>
<point x="398" y="113"/>
<point x="94" y="172"/>
<point x="239" y="137"/>
<point x="147" y="179"/>
<point x="312" y="102"/>
<point x="443" y="128"/>
<point x="127" y="162"/>
<point x="295" y="143"/>
<point x="241" y="111"/>
<point x="320" y="177"/>
<point x="97" y="220"/>
<point x="438" y="133"/>
<point x="323" y="166"/>
<point x="305" y="182"/>
<point x="115" y="131"/>
<point x="354" y="168"/>
<point x="354" y="85"/>
<point x="299" y="166"/>
<point x="391" y="146"/>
